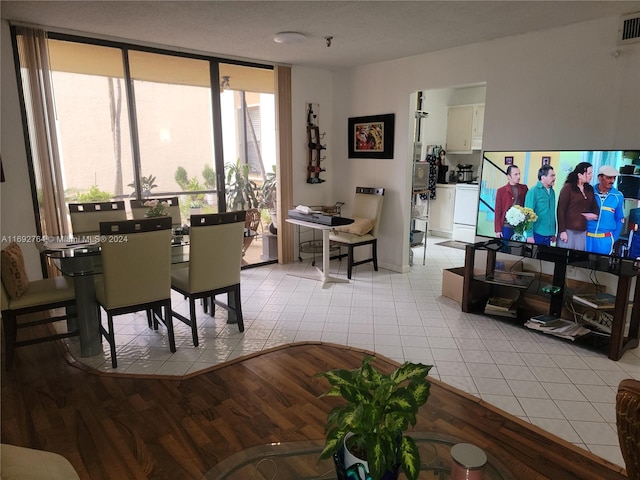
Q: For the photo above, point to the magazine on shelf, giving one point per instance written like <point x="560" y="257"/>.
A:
<point x="544" y="319"/>
<point x="595" y="300"/>
<point x="500" y="303"/>
<point x="560" y="328"/>
<point x="513" y="279"/>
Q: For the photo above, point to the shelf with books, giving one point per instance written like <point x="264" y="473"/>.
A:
<point x="599" y="301"/>
<point x="534" y="299"/>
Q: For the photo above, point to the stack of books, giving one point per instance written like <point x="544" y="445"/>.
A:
<point x="556" y="326"/>
<point x="502" y="306"/>
<point x="602" y="301"/>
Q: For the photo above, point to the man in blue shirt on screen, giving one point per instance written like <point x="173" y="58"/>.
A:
<point x="542" y="200"/>
<point x="603" y="232"/>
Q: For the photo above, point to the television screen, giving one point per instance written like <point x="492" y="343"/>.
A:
<point x="585" y="200"/>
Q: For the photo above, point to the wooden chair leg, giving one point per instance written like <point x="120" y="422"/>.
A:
<point x="112" y="340"/>
<point x="349" y="261"/>
<point x="168" y="319"/>
<point x="374" y="248"/>
<point x="192" y="318"/>
<point x="238" y="308"/>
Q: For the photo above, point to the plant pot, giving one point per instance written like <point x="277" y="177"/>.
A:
<point x="346" y="463"/>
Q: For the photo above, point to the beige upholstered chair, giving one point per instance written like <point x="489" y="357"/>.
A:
<point x="628" y="422"/>
<point x="20" y="297"/>
<point x="367" y="207"/>
<point x="138" y="209"/>
<point x="20" y="463"/>
<point x="136" y="259"/>
<point x="215" y="256"/>
<point x="86" y="217"/>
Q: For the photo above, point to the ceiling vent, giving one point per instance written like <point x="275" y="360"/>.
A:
<point x="629" y="31"/>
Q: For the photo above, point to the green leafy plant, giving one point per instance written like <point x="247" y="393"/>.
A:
<point x="241" y="191"/>
<point x="379" y="409"/>
<point x="268" y="193"/>
<point x="146" y="183"/>
<point x="209" y="176"/>
<point x="189" y="184"/>
<point x="94" y="194"/>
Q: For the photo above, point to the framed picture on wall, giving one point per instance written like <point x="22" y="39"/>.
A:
<point x="546" y="161"/>
<point x="508" y="160"/>
<point x="371" y="136"/>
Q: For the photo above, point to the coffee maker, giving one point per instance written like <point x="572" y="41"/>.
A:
<point x="442" y="174"/>
<point x="465" y="173"/>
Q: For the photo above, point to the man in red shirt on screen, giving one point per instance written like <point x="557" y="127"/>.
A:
<point x="507" y="196"/>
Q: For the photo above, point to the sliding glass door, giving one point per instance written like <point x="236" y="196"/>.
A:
<point x="135" y="123"/>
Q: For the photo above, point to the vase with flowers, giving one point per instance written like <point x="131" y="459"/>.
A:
<point x="156" y="208"/>
<point x="521" y="219"/>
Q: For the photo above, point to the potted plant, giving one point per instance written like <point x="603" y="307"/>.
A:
<point x="209" y="176"/>
<point x="379" y="408"/>
<point x="241" y="191"/>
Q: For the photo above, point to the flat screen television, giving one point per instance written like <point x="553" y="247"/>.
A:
<point x="624" y="243"/>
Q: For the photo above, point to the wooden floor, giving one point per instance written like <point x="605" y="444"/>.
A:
<point x="124" y="427"/>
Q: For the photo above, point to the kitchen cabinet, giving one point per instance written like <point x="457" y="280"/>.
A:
<point x="441" y="211"/>
<point x="465" y="124"/>
<point x="478" y="126"/>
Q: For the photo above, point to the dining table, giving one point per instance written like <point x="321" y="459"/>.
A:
<point x="81" y="261"/>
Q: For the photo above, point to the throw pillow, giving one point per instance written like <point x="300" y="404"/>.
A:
<point x="14" y="275"/>
<point x="360" y="226"/>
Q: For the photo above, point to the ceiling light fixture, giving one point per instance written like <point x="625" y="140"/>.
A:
<point x="289" y="37"/>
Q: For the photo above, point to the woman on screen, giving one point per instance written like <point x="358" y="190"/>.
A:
<point x="576" y="205"/>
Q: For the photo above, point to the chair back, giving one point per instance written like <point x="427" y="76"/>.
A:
<point x="136" y="259"/>
<point x="215" y="250"/>
<point x="138" y="209"/>
<point x="628" y="423"/>
<point x="86" y="217"/>
<point x="368" y="204"/>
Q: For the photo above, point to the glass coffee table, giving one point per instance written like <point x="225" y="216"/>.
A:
<point x="300" y="461"/>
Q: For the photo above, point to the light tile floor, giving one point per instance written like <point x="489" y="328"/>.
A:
<point x="554" y="384"/>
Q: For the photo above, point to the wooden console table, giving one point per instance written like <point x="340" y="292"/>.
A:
<point x="475" y="291"/>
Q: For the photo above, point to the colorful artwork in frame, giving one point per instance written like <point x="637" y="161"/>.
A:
<point x="371" y="136"/>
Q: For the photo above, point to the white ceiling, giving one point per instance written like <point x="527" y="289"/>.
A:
<point x="363" y="31"/>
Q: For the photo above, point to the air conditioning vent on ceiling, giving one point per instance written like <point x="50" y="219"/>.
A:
<point x="629" y="31"/>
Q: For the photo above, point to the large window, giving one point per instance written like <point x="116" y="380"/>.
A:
<point x="137" y="123"/>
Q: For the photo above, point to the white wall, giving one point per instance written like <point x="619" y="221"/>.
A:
<point x="559" y="89"/>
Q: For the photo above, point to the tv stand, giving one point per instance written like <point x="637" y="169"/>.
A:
<point x="476" y="290"/>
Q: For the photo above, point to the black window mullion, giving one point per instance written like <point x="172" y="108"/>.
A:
<point x="133" y="123"/>
<point x="216" y="115"/>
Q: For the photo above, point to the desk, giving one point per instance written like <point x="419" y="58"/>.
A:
<point x="326" y="253"/>
<point x="82" y="263"/>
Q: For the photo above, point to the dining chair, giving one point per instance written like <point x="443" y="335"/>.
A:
<point x="86" y="217"/>
<point x="21" y="297"/>
<point x="215" y="257"/>
<point x="628" y="423"/>
<point x="366" y="211"/>
<point x="136" y="262"/>
<point x="138" y="209"/>
<point x="251" y="224"/>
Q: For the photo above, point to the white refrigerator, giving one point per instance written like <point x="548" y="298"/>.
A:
<point x="465" y="212"/>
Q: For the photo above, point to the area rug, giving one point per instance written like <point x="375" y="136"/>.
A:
<point x="453" y="244"/>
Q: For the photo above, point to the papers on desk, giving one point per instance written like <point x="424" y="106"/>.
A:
<point x="66" y="245"/>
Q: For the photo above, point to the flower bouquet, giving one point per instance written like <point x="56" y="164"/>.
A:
<point x="156" y="208"/>
<point x="521" y="219"/>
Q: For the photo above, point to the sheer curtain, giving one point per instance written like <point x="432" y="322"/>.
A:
<point x="41" y="122"/>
